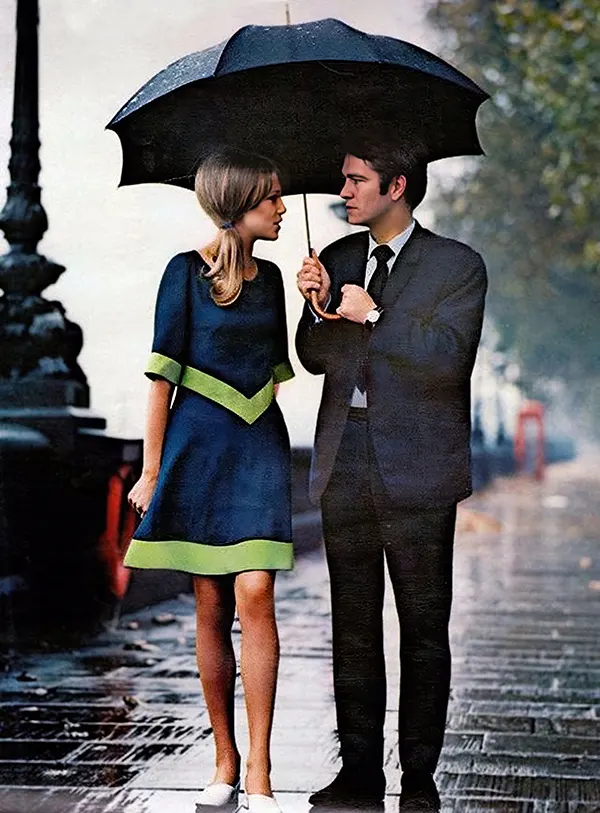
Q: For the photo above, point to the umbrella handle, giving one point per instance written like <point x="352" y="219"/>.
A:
<point x="332" y="317"/>
<point x="319" y="311"/>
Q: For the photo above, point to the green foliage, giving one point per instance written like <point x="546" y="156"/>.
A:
<point x="558" y="55"/>
<point x="531" y="204"/>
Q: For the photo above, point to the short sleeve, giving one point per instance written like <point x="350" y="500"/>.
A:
<point x="167" y="358"/>
<point x="282" y="369"/>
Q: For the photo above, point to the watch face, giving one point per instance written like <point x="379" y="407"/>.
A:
<point x="372" y="316"/>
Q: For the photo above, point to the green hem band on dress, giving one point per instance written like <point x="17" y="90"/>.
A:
<point x="282" y="372"/>
<point x="163" y="366"/>
<point x="210" y="560"/>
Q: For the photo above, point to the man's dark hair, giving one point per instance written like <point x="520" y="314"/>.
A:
<point x="389" y="159"/>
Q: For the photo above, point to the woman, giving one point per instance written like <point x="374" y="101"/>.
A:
<point x="215" y="487"/>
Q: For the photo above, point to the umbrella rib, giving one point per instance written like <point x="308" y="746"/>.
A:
<point x="333" y="70"/>
<point x="231" y="39"/>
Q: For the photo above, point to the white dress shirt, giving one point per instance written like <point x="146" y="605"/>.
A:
<point x="397" y="243"/>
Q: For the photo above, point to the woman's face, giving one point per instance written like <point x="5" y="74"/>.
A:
<point x="263" y="222"/>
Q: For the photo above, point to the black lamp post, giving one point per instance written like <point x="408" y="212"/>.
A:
<point x="58" y="562"/>
<point x="39" y="345"/>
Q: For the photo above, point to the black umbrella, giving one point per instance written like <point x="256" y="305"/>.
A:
<point x="294" y="92"/>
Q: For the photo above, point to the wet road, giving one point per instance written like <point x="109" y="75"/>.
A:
<point x="120" y="725"/>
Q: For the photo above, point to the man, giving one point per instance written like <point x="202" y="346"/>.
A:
<point x="391" y="460"/>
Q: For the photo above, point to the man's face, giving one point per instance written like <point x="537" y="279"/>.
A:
<point x="365" y="204"/>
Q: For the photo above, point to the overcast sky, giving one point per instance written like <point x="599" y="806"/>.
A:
<point x="94" y="54"/>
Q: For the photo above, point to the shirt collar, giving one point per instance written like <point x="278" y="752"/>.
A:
<point x="396" y="243"/>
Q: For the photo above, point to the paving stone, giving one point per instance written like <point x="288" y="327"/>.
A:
<point x="43" y="774"/>
<point x="27" y="751"/>
<point x="563" y="766"/>
<point x="57" y="713"/>
<point x="571" y="728"/>
<point x="540" y="745"/>
<point x="548" y="788"/>
<point x="145" y="754"/>
<point x="490" y="722"/>
<point x="34" y="730"/>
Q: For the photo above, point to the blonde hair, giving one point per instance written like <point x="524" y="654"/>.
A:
<point x="229" y="184"/>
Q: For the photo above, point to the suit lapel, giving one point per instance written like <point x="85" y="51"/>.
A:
<point x="404" y="268"/>
<point x="354" y="264"/>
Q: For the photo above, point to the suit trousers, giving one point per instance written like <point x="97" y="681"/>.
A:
<point x="362" y="527"/>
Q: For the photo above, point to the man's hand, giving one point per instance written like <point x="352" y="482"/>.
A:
<point x="355" y="304"/>
<point x="313" y="277"/>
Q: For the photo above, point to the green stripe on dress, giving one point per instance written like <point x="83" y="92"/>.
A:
<point x="249" y="409"/>
<point x="210" y="560"/>
<point x="282" y="372"/>
<point x="164" y="366"/>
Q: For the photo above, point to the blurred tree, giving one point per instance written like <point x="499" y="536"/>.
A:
<point x="531" y="205"/>
<point x="558" y="53"/>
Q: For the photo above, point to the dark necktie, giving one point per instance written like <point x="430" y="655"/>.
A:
<point x="382" y="254"/>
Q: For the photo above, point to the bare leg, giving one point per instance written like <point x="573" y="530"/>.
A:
<point x="259" y="664"/>
<point x="215" y="608"/>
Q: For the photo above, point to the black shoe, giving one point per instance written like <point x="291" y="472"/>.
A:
<point x="351" y="789"/>
<point x="419" y="794"/>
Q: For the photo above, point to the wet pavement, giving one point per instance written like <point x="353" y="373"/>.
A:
<point x="120" y="726"/>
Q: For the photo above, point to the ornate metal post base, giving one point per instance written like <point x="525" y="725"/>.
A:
<point x="39" y="345"/>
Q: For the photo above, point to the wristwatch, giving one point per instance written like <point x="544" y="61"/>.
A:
<point x="372" y="317"/>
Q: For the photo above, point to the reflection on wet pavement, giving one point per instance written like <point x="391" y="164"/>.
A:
<point x="120" y="725"/>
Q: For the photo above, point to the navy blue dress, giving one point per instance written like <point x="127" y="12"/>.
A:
<point x="222" y="503"/>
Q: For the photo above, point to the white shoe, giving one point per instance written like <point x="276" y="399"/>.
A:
<point x="219" y="796"/>
<point x="257" y="803"/>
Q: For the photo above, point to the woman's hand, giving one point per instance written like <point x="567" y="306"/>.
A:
<point x="140" y="495"/>
<point x="159" y="399"/>
<point x="313" y="277"/>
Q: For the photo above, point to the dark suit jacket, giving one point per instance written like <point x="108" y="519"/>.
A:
<point x="419" y="358"/>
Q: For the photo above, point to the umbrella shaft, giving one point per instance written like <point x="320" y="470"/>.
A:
<point x="306" y="221"/>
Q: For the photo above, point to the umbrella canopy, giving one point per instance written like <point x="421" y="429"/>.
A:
<point x="294" y="93"/>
